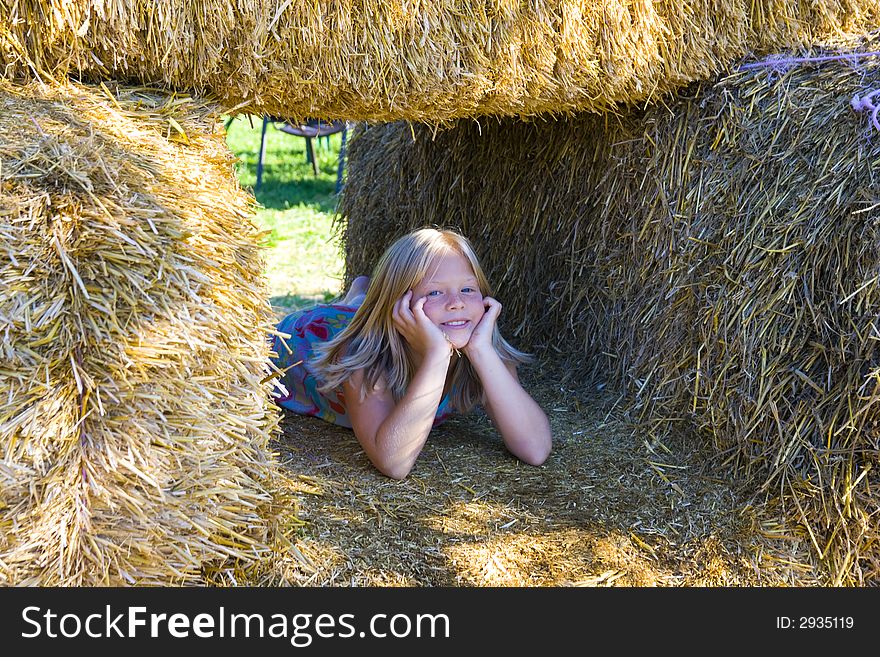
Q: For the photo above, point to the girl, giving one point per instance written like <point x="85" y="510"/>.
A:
<point x="403" y="350"/>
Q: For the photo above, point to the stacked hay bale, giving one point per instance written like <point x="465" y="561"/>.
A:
<point x="425" y="61"/>
<point x="134" y="419"/>
<point x="715" y="257"/>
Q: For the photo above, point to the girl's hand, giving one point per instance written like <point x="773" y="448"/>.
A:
<point x="481" y="338"/>
<point x="421" y="333"/>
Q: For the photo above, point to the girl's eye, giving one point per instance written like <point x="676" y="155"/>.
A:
<point x="468" y="290"/>
<point x="433" y="293"/>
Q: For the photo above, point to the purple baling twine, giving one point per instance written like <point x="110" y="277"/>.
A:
<point x="863" y="104"/>
<point x="866" y="105"/>
<point x="782" y="63"/>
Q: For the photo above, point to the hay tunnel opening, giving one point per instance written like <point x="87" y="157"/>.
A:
<point x="602" y="512"/>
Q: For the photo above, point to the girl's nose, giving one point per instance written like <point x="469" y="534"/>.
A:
<point x="455" y="301"/>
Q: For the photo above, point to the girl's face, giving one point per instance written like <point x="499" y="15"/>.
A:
<point x="454" y="301"/>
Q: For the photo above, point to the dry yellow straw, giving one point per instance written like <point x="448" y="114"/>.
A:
<point x="133" y="425"/>
<point x="421" y="60"/>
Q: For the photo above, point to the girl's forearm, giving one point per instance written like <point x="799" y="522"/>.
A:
<point x="403" y="434"/>
<point x="523" y="425"/>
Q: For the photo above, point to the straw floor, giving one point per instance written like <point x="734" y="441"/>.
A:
<point x="604" y="510"/>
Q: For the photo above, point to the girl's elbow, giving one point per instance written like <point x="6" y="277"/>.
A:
<point x="396" y="471"/>
<point x="537" y="455"/>
<point x="539" y="449"/>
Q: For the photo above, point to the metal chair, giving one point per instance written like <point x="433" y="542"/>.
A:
<point x="311" y="129"/>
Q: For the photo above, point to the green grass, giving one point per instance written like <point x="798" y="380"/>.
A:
<point x="304" y="260"/>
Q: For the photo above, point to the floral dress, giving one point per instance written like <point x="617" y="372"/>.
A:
<point x="307" y="328"/>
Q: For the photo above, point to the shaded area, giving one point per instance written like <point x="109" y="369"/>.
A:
<point x="713" y="258"/>
<point x="605" y="510"/>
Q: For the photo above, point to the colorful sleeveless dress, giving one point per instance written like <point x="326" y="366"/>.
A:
<point x="307" y="328"/>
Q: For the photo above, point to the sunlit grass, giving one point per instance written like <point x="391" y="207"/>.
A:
<point x="304" y="261"/>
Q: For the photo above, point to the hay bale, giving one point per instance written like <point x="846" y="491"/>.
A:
<point x="404" y="59"/>
<point x="134" y="422"/>
<point x="715" y="258"/>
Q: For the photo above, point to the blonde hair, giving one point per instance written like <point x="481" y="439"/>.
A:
<point x="371" y="342"/>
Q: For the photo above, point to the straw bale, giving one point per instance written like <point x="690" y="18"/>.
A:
<point x="134" y="422"/>
<point x="714" y="257"/>
<point x="412" y="59"/>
